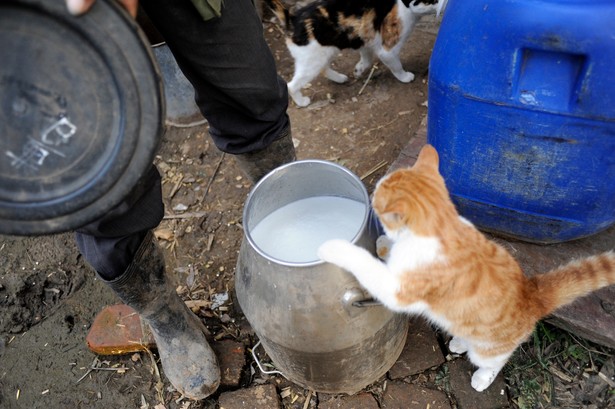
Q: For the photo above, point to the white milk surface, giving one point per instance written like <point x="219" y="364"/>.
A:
<point x="294" y="232"/>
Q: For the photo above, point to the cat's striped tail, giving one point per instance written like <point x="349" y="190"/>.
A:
<point x="565" y="284"/>
<point x="281" y="12"/>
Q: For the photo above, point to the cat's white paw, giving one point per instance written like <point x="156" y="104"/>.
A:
<point x="482" y="378"/>
<point x="359" y="69"/>
<point x="335" y="76"/>
<point x="331" y="250"/>
<point x="300" y="100"/>
<point x="405" y="76"/>
<point x="341" y="79"/>
<point x="457" y="346"/>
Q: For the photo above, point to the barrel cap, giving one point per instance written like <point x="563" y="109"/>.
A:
<point x="81" y="113"/>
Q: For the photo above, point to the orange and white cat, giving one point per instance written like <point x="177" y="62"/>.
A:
<point x="322" y="28"/>
<point x="440" y="266"/>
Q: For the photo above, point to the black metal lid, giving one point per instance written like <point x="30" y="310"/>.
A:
<point x="81" y="113"/>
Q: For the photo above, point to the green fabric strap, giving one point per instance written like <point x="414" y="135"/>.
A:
<point x="208" y="9"/>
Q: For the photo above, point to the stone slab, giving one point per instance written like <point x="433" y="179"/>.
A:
<point x="257" y="397"/>
<point x="420" y="353"/>
<point x="460" y="375"/>
<point x="232" y="359"/>
<point x="592" y="317"/>
<point x="117" y="329"/>
<point x="401" y="395"/>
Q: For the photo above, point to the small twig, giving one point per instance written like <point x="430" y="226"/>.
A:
<point x="172" y="247"/>
<point x="198" y="303"/>
<point x="307" y="400"/>
<point x="560" y="374"/>
<point x="374" y="169"/>
<point x="210" y="241"/>
<point x="591" y="351"/>
<point x="213" y="176"/>
<point x="30" y="258"/>
<point x="122" y="368"/>
<point x="606" y="379"/>
<point x="84" y="375"/>
<point x="369" y="77"/>
<point x="379" y="127"/>
<point x="176" y="187"/>
<point x="93" y="366"/>
<point x="280" y="29"/>
<point x="188" y="125"/>
<point x="189" y="215"/>
<point x="156" y="372"/>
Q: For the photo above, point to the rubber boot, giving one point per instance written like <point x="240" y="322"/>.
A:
<point x="187" y="359"/>
<point x="257" y="164"/>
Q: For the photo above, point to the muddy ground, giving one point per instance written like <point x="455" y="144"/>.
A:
<point x="49" y="296"/>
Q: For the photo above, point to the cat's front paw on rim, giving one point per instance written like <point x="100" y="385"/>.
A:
<point x="329" y="250"/>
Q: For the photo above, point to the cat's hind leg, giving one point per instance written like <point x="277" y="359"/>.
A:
<point x="310" y="60"/>
<point x="335" y="76"/>
<point x="458" y="345"/>
<point x="489" y="366"/>
<point x="390" y="58"/>
<point x="366" y="61"/>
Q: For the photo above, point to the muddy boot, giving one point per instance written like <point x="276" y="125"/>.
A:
<point x="187" y="359"/>
<point x="257" y="164"/>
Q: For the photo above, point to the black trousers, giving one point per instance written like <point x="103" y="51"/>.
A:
<point x="237" y="89"/>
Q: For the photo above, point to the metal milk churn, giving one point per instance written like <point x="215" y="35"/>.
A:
<point x="311" y="316"/>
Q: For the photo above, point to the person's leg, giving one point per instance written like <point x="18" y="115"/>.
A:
<point x="110" y="243"/>
<point x="244" y="100"/>
<point x="234" y="75"/>
<point x="126" y="256"/>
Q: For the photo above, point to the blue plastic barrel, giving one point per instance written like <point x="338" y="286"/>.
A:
<point x="522" y="111"/>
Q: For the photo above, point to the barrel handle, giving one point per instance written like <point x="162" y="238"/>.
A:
<point x="369" y="302"/>
<point x="356" y="297"/>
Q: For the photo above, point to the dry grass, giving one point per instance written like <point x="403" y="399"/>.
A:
<point x="556" y="369"/>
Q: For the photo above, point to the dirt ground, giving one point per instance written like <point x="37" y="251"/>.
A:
<point x="49" y="296"/>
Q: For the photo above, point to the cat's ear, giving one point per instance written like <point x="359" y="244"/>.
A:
<point x="393" y="214"/>
<point x="428" y="157"/>
<point x="392" y="220"/>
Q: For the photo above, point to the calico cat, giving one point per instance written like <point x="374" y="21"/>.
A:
<point x="377" y="28"/>
<point x="439" y="265"/>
